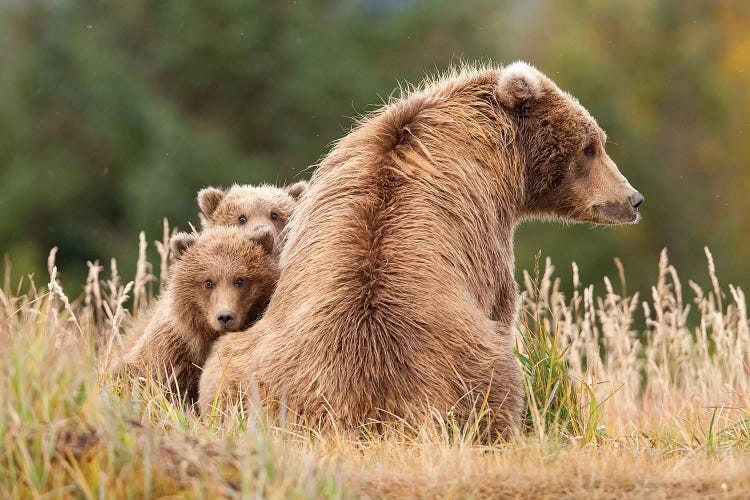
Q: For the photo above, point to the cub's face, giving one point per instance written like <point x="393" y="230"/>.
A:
<point x="568" y="173"/>
<point x="250" y="207"/>
<point x="224" y="278"/>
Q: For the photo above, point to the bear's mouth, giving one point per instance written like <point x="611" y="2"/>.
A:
<point x="616" y="213"/>
<point x="237" y="326"/>
<point x="221" y="330"/>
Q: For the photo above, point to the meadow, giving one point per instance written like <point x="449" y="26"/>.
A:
<point x="628" y="395"/>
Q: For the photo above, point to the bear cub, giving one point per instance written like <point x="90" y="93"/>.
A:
<point x="221" y="282"/>
<point x="250" y="207"/>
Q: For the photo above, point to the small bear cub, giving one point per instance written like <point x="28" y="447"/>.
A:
<point x="221" y="282"/>
<point x="250" y="207"/>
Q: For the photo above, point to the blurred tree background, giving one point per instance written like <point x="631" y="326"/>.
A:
<point x="113" y="114"/>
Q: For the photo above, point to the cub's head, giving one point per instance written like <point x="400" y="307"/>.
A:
<point x="250" y="207"/>
<point x="568" y="173"/>
<point x="223" y="277"/>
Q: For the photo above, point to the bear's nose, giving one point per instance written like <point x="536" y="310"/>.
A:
<point x="636" y="199"/>
<point x="225" y="318"/>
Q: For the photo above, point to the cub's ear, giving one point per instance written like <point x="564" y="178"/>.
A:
<point x="297" y="189"/>
<point x="180" y="242"/>
<point x="519" y="85"/>
<point x="209" y="199"/>
<point x="265" y="238"/>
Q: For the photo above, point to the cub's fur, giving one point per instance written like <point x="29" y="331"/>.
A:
<point x="251" y="207"/>
<point x="221" y="282"/>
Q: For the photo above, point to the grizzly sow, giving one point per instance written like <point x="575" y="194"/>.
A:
<point x="221" y="282"/>
<point x="396" y="297"/>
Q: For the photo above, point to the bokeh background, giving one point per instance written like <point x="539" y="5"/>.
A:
<point x="114" y="113"/>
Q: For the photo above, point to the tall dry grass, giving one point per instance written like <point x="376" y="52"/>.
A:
<point x="614" y="408"/>
<point x="692" y="380"/>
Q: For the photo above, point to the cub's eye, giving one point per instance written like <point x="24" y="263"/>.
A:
<point x="239" y="282"/>
<point x="274" y="216"/>
<point x="209" y="284"/>
<point x="242" y="219"/>
<point x="590" y="151"/>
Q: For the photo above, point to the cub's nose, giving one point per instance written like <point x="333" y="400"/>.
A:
<point x="225" y="318"/>
<point x="636" y="199"/>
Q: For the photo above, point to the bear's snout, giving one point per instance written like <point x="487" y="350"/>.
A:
<point x="636" y="199"/>
<point x="225" y="318"/>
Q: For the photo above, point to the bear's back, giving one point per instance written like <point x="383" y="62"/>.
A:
<point x="382" y="277"/>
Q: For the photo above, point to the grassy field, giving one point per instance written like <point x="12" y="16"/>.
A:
<point x="614" y="410"/>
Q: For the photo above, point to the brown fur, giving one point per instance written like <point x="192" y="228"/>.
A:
<point x="251" y="207"/>
<point x="397" y="296"/>
<point x="174" y="340"/>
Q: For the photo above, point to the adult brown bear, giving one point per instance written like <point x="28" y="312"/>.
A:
<point x="396" y="296"/>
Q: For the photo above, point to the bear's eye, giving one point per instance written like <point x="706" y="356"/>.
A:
<point x="209" y="284"/>
<point x="274" y="216"/>
<point x="242" y="219"/>
<point x="590" y="151"/>
<point x="239" y="282"/>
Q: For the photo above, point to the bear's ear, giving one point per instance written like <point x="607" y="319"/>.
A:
<point x="265" y="238"/>
<point x="180" y="242"/>
<point x="519" y="85"/>
<point x="296" y="190"/>
<point x="209" y="199"/>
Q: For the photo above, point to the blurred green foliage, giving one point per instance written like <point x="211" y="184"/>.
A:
<point x="113" y="114"/>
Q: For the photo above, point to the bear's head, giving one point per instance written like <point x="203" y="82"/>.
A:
<point x="223" y="278"/>
<point x="251" y="207"/>
<point x="568" y="173"/>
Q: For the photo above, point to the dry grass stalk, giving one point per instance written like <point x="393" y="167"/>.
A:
<point x="164" y="250"/>
<point x="143" y="278"/>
